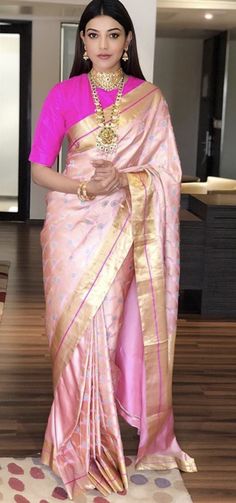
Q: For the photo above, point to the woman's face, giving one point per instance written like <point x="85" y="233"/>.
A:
<point x="105" y="41"/>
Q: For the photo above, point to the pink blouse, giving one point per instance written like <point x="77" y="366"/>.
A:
<point x="67" y="103"/>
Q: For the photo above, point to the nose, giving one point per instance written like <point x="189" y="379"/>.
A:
<point x="103" y="42"/>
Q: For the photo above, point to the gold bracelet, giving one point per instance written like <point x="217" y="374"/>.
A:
<point x="82" y="193"/>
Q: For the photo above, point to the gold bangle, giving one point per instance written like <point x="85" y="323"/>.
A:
<point x="85" y="194"/>
<point x="82" y="193"/>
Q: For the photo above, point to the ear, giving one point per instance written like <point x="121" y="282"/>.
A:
<point x="129" y="38"/>
<point x="82" y="36"/>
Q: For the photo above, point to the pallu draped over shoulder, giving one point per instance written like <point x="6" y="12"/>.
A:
<point x="111" y="276"/>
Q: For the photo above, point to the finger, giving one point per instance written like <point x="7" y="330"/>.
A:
<point x="114" y="186"/>
<point x="102" y="161"/>
<point x="101" y="170"/>
<point x="106" y="188"/>
<point x="100" y="165"/>
<point x="105" y="164"/>
<point x="105" y="177"/>
<point x="97" y="161"/>
<point x="98" y="179"/>
<point x="111" y="178"/>
<point x="104" y="171"/>
<point x="108" y="163"/>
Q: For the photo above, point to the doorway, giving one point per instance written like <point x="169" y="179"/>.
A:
<point x="15" y="118"/>
<point x="211" y="106"/>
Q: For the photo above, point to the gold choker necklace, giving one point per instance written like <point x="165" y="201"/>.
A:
<point x="107" y="81"/>
<point x="107" y="137"/>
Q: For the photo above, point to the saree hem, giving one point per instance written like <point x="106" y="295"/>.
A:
<point x="166" y="463"/>
<point x="131" y="420"/>
<point x="49" y="460"/>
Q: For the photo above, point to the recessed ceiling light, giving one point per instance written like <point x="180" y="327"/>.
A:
<point x="208" y="16"/>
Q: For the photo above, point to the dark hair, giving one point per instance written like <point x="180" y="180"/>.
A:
<point x="116" y="10"/>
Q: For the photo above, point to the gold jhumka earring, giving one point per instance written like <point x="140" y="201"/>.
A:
<point x="125" y="56"/>
<point x="85" y="55"/>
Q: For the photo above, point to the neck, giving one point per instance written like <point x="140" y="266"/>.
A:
<point x="110" y="71"/>
<point x="107" y="80"/>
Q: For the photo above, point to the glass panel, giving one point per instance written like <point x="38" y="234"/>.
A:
<point x="9" y="120"/>
<point x="68" y="37"/>
<point x="227" y="165"/>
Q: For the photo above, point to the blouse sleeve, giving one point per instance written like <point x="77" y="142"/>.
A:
<point x="50" y="130"/>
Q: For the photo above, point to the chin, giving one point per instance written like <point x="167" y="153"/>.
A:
<point x="106" y="66"/>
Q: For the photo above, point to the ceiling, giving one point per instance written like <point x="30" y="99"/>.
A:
<point x="41" y="9"/>
<point x="175" y="18"/>
<point x="190" y="22"/>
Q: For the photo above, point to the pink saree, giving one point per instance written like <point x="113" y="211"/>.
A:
<point x="111" y="274"/>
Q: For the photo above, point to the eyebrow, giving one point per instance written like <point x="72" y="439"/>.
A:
<point x="97" y="31"/>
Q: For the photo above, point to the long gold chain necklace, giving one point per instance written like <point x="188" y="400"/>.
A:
<point x="107" y="137"/>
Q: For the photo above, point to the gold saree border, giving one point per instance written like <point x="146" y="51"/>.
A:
<point x="48" y="456"/>
<point x="159" y="462"/>
<point x="82" y="135"/>
<point x="91" y="291"/>
<point x="150" y="281"/>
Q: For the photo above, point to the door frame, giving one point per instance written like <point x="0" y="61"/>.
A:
<point x="24" y="28"/>
<point x="211" y="106"/>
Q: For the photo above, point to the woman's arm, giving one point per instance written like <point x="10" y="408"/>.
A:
<point x="46" y="177"/>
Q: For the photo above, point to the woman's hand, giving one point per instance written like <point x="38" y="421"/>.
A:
<point x="106" y="178"/>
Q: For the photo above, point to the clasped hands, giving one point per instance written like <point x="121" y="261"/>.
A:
<point x="106" y="178"/>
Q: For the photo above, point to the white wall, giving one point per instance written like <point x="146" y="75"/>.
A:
<point x="45" y="73"/>
<point x="145" y="28"/>
<point x="228" y="158"/>
<point x="177" y="72"/>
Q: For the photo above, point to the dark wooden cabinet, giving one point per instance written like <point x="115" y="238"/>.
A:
<point x="208" y="254"/>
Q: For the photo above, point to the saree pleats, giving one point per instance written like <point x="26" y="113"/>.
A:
<point x="111" y="312"/>
<point x="91" y="290"/>
<point x="92" y="449"/>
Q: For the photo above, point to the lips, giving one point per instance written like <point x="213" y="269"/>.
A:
<point x="104" y="56"/>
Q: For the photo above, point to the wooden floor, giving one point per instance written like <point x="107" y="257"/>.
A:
<point x="204" y="389"/>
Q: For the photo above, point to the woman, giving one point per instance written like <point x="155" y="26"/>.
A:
<point x="111" y="259"/>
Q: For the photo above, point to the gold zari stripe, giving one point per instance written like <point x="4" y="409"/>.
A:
<point x="110" y="262"/>
<point x="151" y="298"/>
<point x="128" y="112"/>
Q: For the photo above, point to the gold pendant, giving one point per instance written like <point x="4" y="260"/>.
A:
<point x="107" y="139"/>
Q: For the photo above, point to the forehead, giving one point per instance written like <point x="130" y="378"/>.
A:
<point x="103" y="23"/>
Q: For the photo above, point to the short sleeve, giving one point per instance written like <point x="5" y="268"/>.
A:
<point x="50" y="129"/>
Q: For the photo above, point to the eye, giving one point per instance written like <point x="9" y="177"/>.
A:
<point x="115" y="35"/>
<point x="92" y="35"/>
